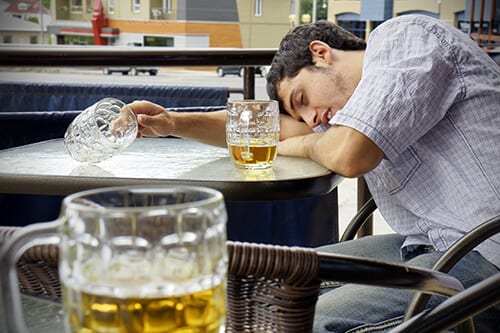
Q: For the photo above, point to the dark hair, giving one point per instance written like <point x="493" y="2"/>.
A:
<point x="293" y="53"/>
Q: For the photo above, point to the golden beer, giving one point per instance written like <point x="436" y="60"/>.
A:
<point x="253" y="156"/>
<point x="200" y="312"/>
<point x="252" y="132"/>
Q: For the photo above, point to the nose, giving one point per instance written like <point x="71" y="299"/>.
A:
<point x="311" y="118"/>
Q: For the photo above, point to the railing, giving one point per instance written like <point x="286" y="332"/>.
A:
<point x="490" y="38"/>
<point x="36" y="55"/>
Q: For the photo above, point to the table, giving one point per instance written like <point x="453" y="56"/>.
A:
<point x="46" y="168"/>
<point x="40" y="314"/>
<point x="43" y="315"/>
<point x="290" y="204"/>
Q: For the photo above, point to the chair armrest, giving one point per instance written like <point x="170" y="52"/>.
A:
<point x="359" y="220"/>
<point x="360" y="270"/>
<point x="454" y="254"/>
<point x="453" y="310"/>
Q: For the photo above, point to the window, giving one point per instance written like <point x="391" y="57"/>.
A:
<point x="136" y="6"/>
<point x="88" y="6"/>
<point x="158" y="41"/>
<point x="22" y="6"/>
<point x="167" y="6"/>
<point x="358" y="28"/>
<point x="76" y="6"/>
<point x="7" y="39"/>
<point x="111" y="6"/>
<point x="292" y="7"/>
<point x="258" y="7"/>
<point x="33" y="39"/>
<point x="77" y="40"/>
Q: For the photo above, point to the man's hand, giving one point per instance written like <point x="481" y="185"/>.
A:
<point x="153" y="119"/>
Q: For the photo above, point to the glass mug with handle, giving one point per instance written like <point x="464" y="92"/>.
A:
<point x="101" y="131"/>
<point x="252" y="132"/>
<point x="132" y="259"/>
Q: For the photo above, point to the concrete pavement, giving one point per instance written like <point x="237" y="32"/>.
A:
<point x="347" y="194"/>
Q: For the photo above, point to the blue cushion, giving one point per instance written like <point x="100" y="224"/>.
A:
<point x="22" y="96"/>
<point x="21" y="128"/>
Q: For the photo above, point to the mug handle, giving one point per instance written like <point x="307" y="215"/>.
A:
<point x="11" y="251"/>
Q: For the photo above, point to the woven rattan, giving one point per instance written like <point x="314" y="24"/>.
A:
<point x="266" y="292"/>
<point x="37" y="269"/>
<point x="270" y="288"/>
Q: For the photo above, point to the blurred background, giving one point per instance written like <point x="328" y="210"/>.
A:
<point x="221" y="23"/>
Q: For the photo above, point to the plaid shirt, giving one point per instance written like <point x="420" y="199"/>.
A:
<point x="429" y="97"/>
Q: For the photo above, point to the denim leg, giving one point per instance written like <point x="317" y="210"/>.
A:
<point x="471" y="269"/>
<point x="337" y="310"/>
<point x="387" y="248"/>
<point x="383" y="247"/>
<point x="357" y="308"/>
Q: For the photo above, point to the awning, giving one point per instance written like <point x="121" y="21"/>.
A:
<point x="73" y="30"/>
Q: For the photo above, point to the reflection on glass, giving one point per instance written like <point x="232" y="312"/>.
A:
<point x="90" y="170"/>
<point x="254" y="175"/>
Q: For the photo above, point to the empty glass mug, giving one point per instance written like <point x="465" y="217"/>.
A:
<point x="133" y="259"/>
<point x="101" y="131"/>
<point x="252" y="132"/>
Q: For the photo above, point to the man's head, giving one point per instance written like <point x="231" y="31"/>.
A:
<point x="296" y="52"/>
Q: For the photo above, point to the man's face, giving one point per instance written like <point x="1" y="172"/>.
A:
<point x="314" y="95"/>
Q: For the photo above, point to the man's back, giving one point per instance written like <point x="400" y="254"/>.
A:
<point x="433" y="107"/>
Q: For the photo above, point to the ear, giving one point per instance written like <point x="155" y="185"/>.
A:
<point x="321" y="52"/>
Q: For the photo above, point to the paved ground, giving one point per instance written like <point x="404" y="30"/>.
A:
<point x="348" y="207"/>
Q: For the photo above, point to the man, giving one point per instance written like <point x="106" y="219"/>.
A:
<point x="416" y="110"/>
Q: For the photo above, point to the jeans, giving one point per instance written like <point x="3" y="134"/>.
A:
<point x="358" y="308"/>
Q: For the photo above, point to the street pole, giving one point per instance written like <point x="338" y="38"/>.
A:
<point x="315" y="6"/>
<point x="41" y="22"/>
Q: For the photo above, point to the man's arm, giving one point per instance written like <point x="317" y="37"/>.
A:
<point x="341" y="149"/>
<point x="207" y="127"/>
<point x="156" y="121"/>
<point x="290" y="127"/>
<point x="210" y="127"/>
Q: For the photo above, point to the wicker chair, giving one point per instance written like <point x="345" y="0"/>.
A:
<point x="270" y="288"/>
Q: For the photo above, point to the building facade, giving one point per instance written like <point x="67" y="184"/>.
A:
<point x="171" y="23"/>
<point x="220" y="23"/>
<point x="362" y="16"/>
<point x="24" y="22"/>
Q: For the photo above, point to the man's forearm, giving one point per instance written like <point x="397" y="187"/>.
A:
<point x="340" y="149"/>
<point x="206" y="127"/>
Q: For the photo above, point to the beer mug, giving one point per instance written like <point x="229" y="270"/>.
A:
<point x="101" y="131"/>
<point x="252" y="132"/>
<point x="133" y="259"/>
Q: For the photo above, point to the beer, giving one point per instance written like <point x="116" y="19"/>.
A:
<point x="199" y="312"/>
<point x="252" y="132"/>
<point x="253" y="156"/>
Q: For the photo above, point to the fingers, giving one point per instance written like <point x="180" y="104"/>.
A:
<point x="146" y="125"/>
<point x="145" y="107"/>
<point x="145" y="120"/>
<point x="153" y="119"/>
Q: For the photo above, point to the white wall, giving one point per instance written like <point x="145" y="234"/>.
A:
<point x="180" y="41"/>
